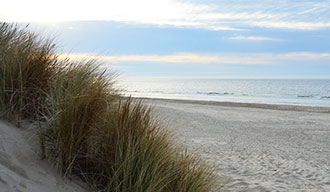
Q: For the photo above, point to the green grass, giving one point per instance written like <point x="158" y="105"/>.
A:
<point x="113" y="143"/>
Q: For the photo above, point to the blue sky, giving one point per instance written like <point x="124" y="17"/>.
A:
<point x="209" y="38"/>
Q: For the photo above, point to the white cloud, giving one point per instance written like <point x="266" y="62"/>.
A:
<point x="225" y="15"/>
<point x="191" y="58"/>
<point x="254" y="38"/>
<point x="182" y="58"/>
<point x="292" y="25"/>
<point x="307" y="56"/>
<point x="160" y="12"/>
<point x="238" y="15"/>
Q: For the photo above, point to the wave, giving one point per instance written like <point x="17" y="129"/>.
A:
<point x="214" y="93"/>
<point x="305" y="96"/>
<point x="157" y="92"/>
<point x="311" y="96"/>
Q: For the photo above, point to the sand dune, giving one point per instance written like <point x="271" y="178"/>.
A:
<point x="256" y="149"/>
<point x="21" y="169"/>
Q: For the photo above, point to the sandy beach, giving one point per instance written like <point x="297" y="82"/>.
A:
<point x="22" y="170"/>
<point x="256" y="147"/>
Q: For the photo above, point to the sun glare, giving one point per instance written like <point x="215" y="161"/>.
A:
<point x="148" y="11"/>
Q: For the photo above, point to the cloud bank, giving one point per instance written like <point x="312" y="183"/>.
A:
<point x="254" y="38"/>
<point x="224" y="15"/>
<point x="191" y="58"/>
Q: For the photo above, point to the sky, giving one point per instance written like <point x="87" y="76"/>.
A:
<point x="188" y="38"/>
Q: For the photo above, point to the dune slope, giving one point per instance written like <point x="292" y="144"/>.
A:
<point x="21" y="168"/>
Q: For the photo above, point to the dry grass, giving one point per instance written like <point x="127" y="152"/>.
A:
<point x="79" y="96"/>
<point x="25" y="66"/>
<point x="114" y="144"/>
<point x="143" y="157"/>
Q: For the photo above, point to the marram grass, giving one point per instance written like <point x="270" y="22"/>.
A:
<point x="79" y="96"/>
<point x="113" y="143"/>
<point x="26" y="62"/>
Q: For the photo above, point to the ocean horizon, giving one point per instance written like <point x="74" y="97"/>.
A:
<point x="302" y="92"/>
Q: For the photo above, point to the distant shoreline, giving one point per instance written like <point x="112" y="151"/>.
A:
<point x="317" y="109"/>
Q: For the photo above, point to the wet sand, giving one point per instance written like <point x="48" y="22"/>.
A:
<point x="255" y="147"/>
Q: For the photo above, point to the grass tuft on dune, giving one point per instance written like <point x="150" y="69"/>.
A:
<point x="113" y="143"/>
<point x="26" y="66"/>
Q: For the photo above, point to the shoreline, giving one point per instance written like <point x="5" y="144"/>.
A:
<point x="282" y="107"/>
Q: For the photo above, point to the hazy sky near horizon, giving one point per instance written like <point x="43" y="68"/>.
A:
<point x="229" y="39"/>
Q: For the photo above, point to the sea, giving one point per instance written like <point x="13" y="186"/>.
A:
<point x="303" y="92"/>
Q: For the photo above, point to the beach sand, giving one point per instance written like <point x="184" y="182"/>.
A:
<point x="255" y="147"/>
<point x="22" y="170"/>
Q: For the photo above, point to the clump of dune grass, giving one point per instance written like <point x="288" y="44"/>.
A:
<point x="115" y="143"/>
<point x="138" y="154"/>
<point x="26" y="64"/>
<point x="89" y="130"/>
<point x="79" y="96"/>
